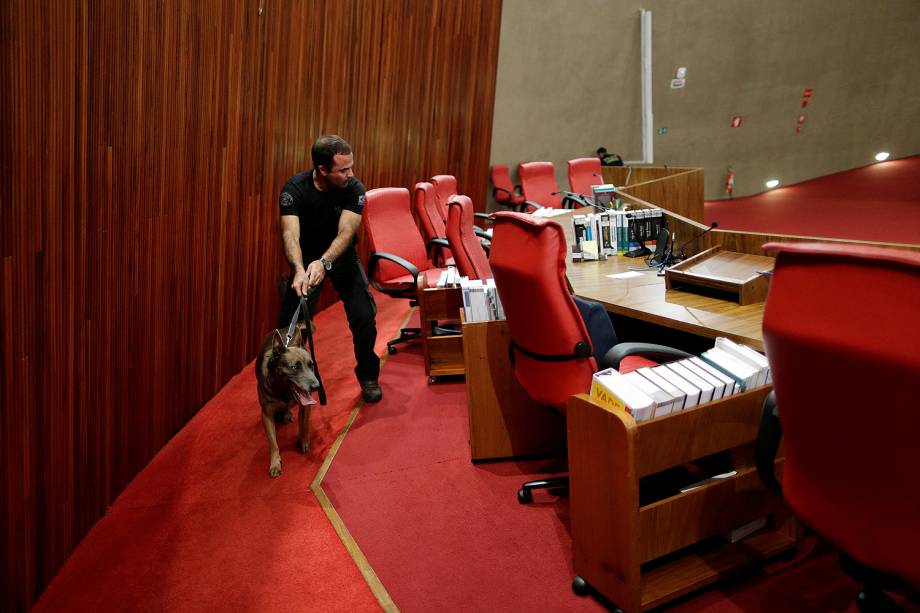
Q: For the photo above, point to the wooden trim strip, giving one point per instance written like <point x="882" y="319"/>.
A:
<point x="351" y="545"/>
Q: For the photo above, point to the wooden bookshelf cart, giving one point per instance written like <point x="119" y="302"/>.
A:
<point x="639" y="557"/>
<point x="443" y="354"/>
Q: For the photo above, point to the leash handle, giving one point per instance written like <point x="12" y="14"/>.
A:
<point x="303" y="304"/>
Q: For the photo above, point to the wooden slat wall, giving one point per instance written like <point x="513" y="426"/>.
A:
<point x="638" y="174"/>
<point x="143" y="148"/>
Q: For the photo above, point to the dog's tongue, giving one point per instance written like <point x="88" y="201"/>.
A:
<point x="303" y="397"/>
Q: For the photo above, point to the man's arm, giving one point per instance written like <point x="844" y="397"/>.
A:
<point x="349" y="222"/>
<point x="290" y="241"/>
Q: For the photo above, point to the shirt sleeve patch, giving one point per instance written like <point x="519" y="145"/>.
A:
<point x="287" y="201"/>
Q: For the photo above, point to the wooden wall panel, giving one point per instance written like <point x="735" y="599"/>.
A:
<point x="143" y="146"/>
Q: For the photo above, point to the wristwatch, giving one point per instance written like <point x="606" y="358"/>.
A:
<point x="326" y="264"/>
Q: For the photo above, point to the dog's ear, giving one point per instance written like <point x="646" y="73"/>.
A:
<point x="277" y="341"/>
<point x="297" y="339"/>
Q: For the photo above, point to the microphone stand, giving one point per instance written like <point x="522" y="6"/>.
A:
<point x="680" y="257"/>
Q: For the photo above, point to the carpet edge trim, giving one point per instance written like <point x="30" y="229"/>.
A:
<point x="351" y="545"/>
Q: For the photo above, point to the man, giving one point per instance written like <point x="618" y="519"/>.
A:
<point x="608" y="159"/>
<point x="320" y="216"/>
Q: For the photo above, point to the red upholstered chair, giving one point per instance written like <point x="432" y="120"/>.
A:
<point x="504" y="190"/>
<point x="469" y="254"/>
<point x="554" y="356"/>
<point x="584" y="173"/>
<point x="398" y="256"/>
<point x="433" y="228"/>
<point x="841" y="334"/>
<point x="445" y="186"/>
<point x="538" y="182"/>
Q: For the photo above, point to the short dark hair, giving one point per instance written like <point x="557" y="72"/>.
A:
<point x="326" y="148"/>
<point x="601" y="150"/>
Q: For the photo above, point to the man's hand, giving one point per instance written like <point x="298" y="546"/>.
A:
<point x="316" y="272"/>
<point x="301" y="283"/>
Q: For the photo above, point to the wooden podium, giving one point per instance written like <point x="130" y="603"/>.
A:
<point x="740" y="277"/>
<point x="642" y="556"/>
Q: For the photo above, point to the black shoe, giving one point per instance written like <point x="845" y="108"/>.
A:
<point x="370" y="391"/>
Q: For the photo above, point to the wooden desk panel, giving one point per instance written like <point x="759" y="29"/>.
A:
<point x="645" y="298"/>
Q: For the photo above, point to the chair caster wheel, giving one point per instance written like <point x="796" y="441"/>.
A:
<point x="525" y="496"/>
<point x="580" y="586"/>
<point x="391" y="350"/>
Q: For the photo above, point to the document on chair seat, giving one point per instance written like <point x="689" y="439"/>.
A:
<point x="550" y="212"/>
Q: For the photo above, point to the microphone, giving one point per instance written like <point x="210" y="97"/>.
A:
<point x="574" y="197"/>
<point x="712" y="226"/>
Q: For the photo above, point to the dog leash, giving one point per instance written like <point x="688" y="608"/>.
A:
<point x="290" y="334"/>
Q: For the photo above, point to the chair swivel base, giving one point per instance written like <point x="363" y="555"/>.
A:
<point x="405" y="335"/>
<point x="525" y="494"/>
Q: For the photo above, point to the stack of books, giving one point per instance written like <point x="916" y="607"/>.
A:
<point x="480" y="300"/>
<point x="604" y="196"/>
<point x="449" y="277"/>
<point x="600" y="235"/>
<point x="668" y="388"/>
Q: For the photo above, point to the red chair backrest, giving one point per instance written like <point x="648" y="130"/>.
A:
<point x="445" y="186"/>
<point x="842" y="335"/>
<point x="469" y="256"/>
<point x="528" y="263"/>
<point x="389" y="228"/>
<point x="584" y="173"/>
<point x="501" y="180"/>
<point x="426" y="209"/>
<point x="538" y="182"/>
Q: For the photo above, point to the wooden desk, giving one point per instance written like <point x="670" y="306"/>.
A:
<point x="645" y="298"/>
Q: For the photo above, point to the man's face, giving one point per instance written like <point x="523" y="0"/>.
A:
<point x="341" y="170"/>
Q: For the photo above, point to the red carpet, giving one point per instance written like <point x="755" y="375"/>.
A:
<point x="446" y="535"/>
<point x="880" y="202"/>
<point x="203" y="527"/>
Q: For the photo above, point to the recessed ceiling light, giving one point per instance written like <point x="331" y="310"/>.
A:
<point x="881" y="156"/>
<point x="772" y="183"/>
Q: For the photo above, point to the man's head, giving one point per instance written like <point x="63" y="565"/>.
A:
<point x="601" y="152"/>
<point x="333" y="160"/>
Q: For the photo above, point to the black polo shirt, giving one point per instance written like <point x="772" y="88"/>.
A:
<point x="319" y="211"/>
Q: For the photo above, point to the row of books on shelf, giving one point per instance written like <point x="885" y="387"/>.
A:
<point x="480" y="300"/>
<point x="725" y="370"/>
<point x="610" y="233"/>
<point x="480" y="297"/>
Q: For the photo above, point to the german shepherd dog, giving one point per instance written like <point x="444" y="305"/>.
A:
<point x="285" y="377"/>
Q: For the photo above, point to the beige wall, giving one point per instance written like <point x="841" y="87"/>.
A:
<point x="560" y="92"/>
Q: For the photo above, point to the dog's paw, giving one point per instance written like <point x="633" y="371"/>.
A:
<point x="275" y="469"/>
<point x="303" y="445"/>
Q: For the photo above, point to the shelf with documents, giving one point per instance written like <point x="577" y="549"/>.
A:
<point x="642" y="556"/>
<point x="443" y="353"/>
